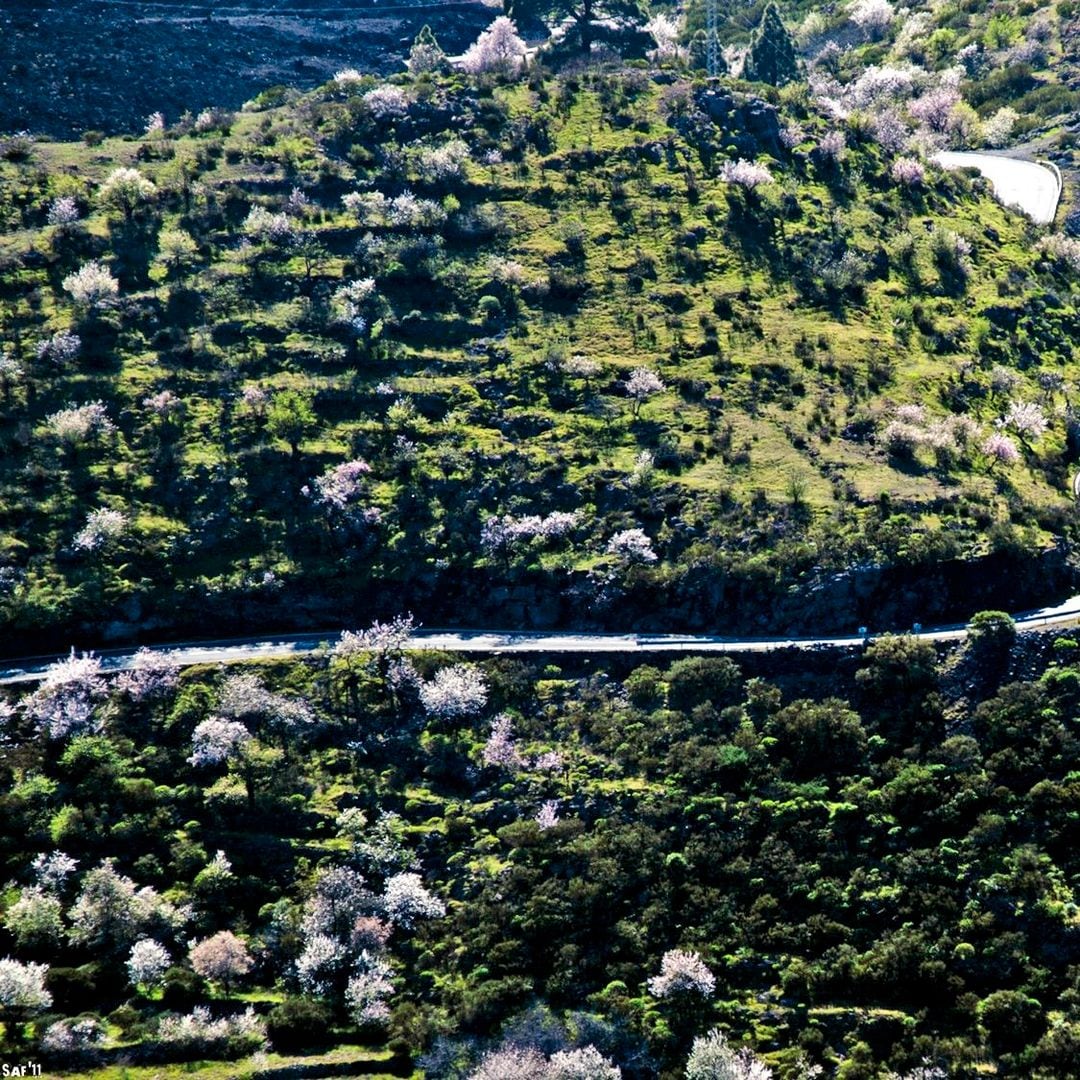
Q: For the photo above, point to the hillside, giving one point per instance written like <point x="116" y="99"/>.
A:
<point x="376" y="346"/>
<point x="858" y="865"/>
<point x="566" y="333"/>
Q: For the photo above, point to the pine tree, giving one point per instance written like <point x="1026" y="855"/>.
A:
<point x="590" y="21"/>
<point x="771" y="58"/>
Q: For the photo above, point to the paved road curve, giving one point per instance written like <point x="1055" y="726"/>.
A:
<point x="30" y="669"/>
<point x="1034" y="188"/>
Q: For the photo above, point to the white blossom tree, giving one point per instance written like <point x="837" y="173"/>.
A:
<point x="547" y="816"/>
<point x="498" y="50"/>
<point x="340" y="493"/>
<point x="456" y="691"/>
<point x="908" y="172"/>
<point x="321" y="963"/>
<point x="216" y="740"/>
<point x="78" y="425"/>
<point x="641" y="475"/>
<point x="153" y="675"/>
<point x="244" y="698"/>
<point x="164" y="404"/>
<point x="1027" y="419"/>
<point x="511" y="1063"/>
<point x="388" y="102"/>
<point x="503" y="533"/>
<point x="1000" y="449"/>
<point x="410" y="213"/>
<point x="745" y="174"/>
<point x="111" y="912"/>
<point x="101" y="530"/>
<point x="632" y="546"/>
<point x="147" y="963"/>
<point x="61" y="349"/>
<point x="444" y="164"/>
<point x="376" y="651"/>
<point x="51" y="871"/>
<point x="381" y="639"/>
<point x="926" y="1070"/>
<point x="35" y="919"/>
<point x="22" y="991"/>
<point x="405" y="900"/>
<point x="341" y="896"/>
<point x="833" y="147"/>
<point x="500" y="750"/>
<point x="368" y="990"/>
<point x="642" y="384"/>
<point x="369" y="207"/>
<point x="935" y="107"/>
<point x="998" y="129"/>
<point x="713" y="1058"/>
<point x="65" y="703"/>
<point x="267" y="227"/>
<point x="73" y="1042"/>
<point x="126" y="189"/>
<point x="682" y="972"/>
<point x="11" y="372"/>
<point x="63" y="212"/>
<point x="198" y="1034"/>
<point x="665" y="31"/>
<point x="586" y="1063"/>
<point x="873" y="17"/>
<point x="357" y="303"/>
<point x="91" y="285"/>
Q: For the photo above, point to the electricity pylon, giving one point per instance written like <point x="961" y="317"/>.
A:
<point x="712" y="37"/>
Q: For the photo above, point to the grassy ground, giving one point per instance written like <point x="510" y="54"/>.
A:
<point x="341" y="1061"/>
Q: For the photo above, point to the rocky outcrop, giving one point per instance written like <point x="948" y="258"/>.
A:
<point x="750" y="125"/>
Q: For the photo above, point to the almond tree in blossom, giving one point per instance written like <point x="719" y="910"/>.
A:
<point x="66" y="702"/>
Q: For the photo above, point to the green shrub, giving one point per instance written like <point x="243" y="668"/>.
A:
<point x="298" y="1024"/>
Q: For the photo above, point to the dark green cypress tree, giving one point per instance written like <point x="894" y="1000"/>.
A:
<point x="771" y="58"/>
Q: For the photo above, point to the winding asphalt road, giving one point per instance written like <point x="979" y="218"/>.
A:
<point x="1034" y="188"/>
<point x="31" y="669"/>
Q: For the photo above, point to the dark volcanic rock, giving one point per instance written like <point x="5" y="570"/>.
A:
<point x="85" y="65"/>
<point x="751" y="125"/>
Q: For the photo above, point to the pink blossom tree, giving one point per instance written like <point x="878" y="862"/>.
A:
<point x="222" y="958"/>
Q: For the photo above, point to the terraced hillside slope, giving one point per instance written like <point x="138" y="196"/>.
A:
<point x="608" y="346"/>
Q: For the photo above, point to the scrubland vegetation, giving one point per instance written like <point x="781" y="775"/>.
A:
<point x="503" y="869"/>
<point x="576" y="335"/>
